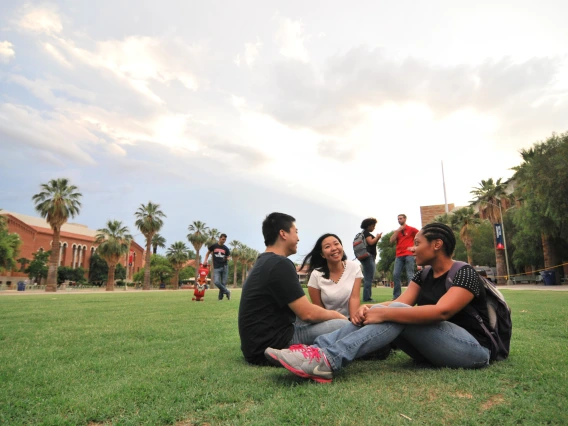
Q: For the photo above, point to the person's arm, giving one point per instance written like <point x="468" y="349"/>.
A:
<point x="355" y="303"/>
<point x="395" y="234"/>
<point x="455" y="299"/>
<point x="315" y="296"/>
<point x="371" y="241"/>
<point x="206" y="257"/>
<point x="309" y="312"/>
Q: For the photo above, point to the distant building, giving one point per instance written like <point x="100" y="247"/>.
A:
<point x="77" y="243"/>
<point x="428" y="213"/>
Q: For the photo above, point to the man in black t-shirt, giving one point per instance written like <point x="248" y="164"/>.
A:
<point x="220" y="267"/>
<point x="272" y="297"/>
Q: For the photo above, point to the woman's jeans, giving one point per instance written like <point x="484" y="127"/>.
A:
<point x="306" y="333"/>
<point x="368" y="275"/>
<point x="442" y="344"/>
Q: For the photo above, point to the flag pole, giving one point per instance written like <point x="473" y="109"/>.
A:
<point x="444" y="184"/>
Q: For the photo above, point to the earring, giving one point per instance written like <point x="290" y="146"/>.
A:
<point x="322" y="255"/>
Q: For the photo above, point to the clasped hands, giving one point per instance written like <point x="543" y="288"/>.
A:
<point x="365" y="315"/>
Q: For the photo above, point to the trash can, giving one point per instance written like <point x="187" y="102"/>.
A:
<point x="21" y="286"/>
<point x="549" y="277"/>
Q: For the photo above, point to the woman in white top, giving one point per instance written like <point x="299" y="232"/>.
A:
<point x="334" y="282"/>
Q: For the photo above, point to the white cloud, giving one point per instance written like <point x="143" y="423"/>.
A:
<point x="252" y="50"/>
<point x="290" y="38"/>
<point x="6" y="51"/>
<point x="57" y="55"/>
<point x="40" y="19"/>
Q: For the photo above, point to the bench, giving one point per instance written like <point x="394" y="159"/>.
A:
<point x="526" y="279"/>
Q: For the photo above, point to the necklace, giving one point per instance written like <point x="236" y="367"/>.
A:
<point x="339" y="279"/>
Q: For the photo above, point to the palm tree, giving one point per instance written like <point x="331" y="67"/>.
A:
<point x="235" y="255"/>
<point x="465" y="221"/>
<point x="149" y="222"/>
<point x="113" y="241"/>
<point x="198" y="235"/>
<point x="178" y="255"/>
<point x="158" y="241"/>
<point x="489" y="195"/>
<point x="57" y="201"/>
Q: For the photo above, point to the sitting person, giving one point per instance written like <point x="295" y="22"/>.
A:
<point x="427" y="321"/>
<point x="334" y="281"/>
<point x="272" y="298"/>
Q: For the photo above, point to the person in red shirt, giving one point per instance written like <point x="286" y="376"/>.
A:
<point x="404" y="237"/>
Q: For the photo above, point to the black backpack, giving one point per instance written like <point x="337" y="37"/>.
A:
<point x="500" y="326"/>
<point x="360" y="246"/>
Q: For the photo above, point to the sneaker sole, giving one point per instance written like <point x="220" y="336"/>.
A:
<point x="303" y="374"/>
<point x="273" y="360"/>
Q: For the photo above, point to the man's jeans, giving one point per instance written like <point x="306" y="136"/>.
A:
<point x="442" y="344"/>
<point x="306" y="333"/>
<point x="220" y="280"/>
<point x="403" y="261"/>
<point x="368" y="275"/>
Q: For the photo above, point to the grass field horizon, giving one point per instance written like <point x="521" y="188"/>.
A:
<point x="131" y="358"/>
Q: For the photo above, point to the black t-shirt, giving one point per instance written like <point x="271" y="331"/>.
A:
<point x="432" y="290"/>
<point x="371" y="248"/>
<point x="220" y="254"/>
<point x="265" y="319"/>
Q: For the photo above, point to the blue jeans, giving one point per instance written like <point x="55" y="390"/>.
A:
<point x="220" y="279"/>
<point x="306" y="333"/>
<point x="409" y="262"/>
<point x="442" y="344"/>
<point x="368" y="275"/>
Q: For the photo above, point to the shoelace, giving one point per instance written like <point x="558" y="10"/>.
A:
<point x="298" y="348"/>
<point x="310" y="353"/>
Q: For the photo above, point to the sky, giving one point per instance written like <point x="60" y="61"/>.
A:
<point x="223" y="111"/>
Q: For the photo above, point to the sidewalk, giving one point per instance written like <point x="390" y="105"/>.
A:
<point x="563" y="287"/>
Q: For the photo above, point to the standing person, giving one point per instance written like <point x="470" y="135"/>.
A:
<point x="428" y="322"/>
<point x="335" y="282"/>
<point x="404" y="237"/>
<point x="221" y="254"/>
<point x="368" y="264"/>
<point x="272" y="298"/>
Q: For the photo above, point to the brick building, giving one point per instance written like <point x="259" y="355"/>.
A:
<point x="428" y="213"/>
<point x="77" y="243"/>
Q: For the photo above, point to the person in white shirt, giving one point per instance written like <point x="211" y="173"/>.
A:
<point x="335" y="282"/>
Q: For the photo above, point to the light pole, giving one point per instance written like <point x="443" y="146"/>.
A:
<point x="509" y="282"/>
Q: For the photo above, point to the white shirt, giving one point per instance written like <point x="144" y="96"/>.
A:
<point x="335" y="297"/>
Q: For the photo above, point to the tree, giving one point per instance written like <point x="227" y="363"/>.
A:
<point x="149" y="222"/>
<point x="38" y="266"/>
<point x="57" y="201"/>
<point x="113" y="243"/>
<point x="23" y="263"/>
<point x="161" y="269"/>
<point x="198" y="235"/>
<point x="235" y="255"/>
<point x="387" y="255"/>
<point x="178" y="255"/>
<point x="465" y="221"/>
<point x="489" y="195"/>
<point x="9" y="247"/>
<point x="158" y="241"/>
<point x="98" y="270"/>
<point x="66" y="273"/>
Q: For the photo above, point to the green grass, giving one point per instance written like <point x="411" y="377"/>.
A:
<point x="159" y="358"/>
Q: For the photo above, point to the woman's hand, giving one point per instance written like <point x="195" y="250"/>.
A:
<point x="359" y="316"/>
<point x="375" y="316"/>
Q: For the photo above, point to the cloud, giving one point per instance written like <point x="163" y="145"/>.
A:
<point x="40" y="19"/>
<point x="6" y="51"/>
<point x="290" y="39"/>
<point x="252" y="50"/>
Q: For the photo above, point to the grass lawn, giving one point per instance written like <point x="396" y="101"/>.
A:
<point x="159" y="358"/>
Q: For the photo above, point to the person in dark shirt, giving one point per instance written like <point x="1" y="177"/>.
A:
<point x="427" y="321"/>
<point x="274" y="310"/>
<point x="221" y="254"/>
<point x="368" y="264"/>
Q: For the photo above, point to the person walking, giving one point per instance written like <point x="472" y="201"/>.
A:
<point x="220" y="254"/>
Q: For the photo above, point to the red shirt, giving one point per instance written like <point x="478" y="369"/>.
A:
<point x="405" y="241"/>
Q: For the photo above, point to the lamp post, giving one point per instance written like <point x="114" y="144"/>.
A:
<point x="509" y="282"/>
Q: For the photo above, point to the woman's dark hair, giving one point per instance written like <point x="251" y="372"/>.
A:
<point x="315" y="259"/>
<point x="368" y="222"/>
<point x="272" y="225"/>
<point x="439" y="231"/>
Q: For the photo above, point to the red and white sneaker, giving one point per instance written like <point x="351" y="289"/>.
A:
<point x="272" y="354"/>
<point x="309" y="363"/>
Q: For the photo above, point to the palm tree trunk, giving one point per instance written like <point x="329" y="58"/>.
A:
<point x="176" y="279"/>
<point x="53" y="264"/>
<point x="499" y="261"/>
<point x="110" y="278"/>
<point x="234" y="274"/>
<point x="469" y="252"/>
<point x="244" y="266"/>
<point x="147" y="265"/>
<point x="549" y="254"/>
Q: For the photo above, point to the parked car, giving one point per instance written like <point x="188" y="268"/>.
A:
<point x="486" y="272"/>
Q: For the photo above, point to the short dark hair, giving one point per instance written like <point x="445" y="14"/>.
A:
<point x="315" y="258"/>
<point x="403" y="215"/>
<point x="223" y="235"/>
<point x="368" y="222"/>
<point x="272" y="225"/>
<point x="439" y="231"/>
